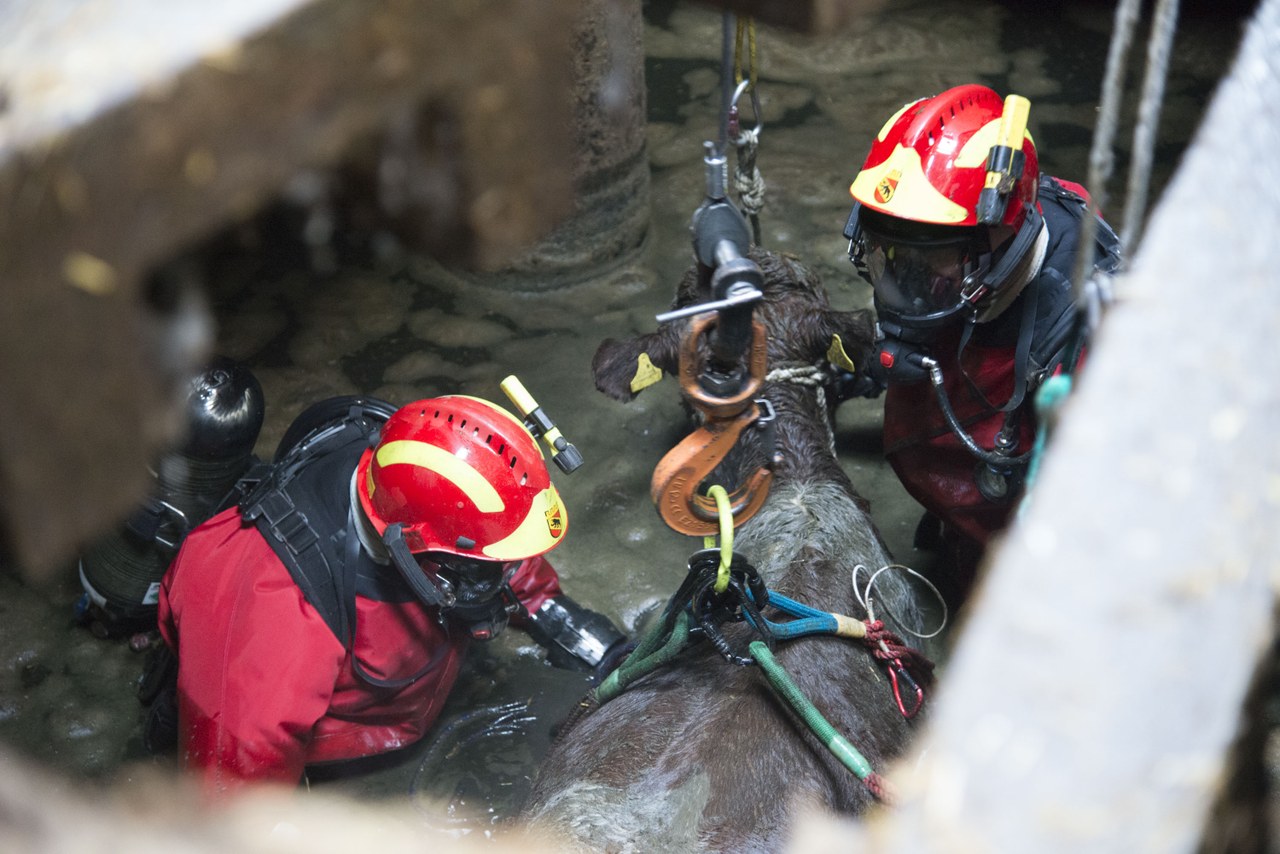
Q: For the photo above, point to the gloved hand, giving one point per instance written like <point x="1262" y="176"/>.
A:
<point x="862" y="384"/>
<point x="613" y="658"/>
<point x="576" y="638"/>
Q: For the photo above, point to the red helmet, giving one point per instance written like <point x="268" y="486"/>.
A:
<point x="918" y="230"/>
<point x="929" y="161"/>
<point x="463" y="477"/>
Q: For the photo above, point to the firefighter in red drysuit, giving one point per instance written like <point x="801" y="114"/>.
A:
<point x="970" y="252"/>
<point x="325" y="617"/>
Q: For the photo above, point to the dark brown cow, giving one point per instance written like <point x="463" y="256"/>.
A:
<point x="700" y="756"/>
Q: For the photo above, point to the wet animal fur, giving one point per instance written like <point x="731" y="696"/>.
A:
<point x="700" y="756"/>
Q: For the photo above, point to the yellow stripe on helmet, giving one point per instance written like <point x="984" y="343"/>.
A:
<point x="975" y="150"/>
<point x="453" y="469"/>
<point x="540" y="531"/>
<point x="899" y="187"/>
<point x="888" y="126"/>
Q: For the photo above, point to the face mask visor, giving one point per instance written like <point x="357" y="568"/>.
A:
<point x="921" y="281"/>
<point x="483" y="599"/>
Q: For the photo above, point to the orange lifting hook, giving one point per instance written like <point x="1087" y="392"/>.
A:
<point x="680" y="473"/>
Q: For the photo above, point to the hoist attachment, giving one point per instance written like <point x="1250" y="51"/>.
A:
<point x="676" y="488"/>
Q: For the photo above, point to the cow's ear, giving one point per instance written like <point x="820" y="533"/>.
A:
<point x="623" y="369"/>
<point x="845" y="338"/>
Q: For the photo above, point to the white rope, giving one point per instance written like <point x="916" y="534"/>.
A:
<point x="815" y="377"/>
<point x="1159" y="46"/>
<point x="747" y="179"/>
<point x="865" y="600"/>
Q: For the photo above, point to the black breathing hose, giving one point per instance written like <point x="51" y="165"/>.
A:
<point x="994" y="458"/>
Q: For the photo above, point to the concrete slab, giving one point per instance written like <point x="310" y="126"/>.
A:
<point x="130" y="130"/>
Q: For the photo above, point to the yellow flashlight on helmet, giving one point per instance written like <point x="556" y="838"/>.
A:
<point x="1004" y="161"/>
<point x="563" y="453"/>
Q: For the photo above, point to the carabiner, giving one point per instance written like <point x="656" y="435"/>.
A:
<point x="734" y="119"/>
<point x="896" y="672"/>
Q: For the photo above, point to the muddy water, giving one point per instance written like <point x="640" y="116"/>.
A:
<point x="403" y="328"/>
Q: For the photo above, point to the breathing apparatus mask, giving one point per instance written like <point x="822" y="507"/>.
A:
<point x="483" y="600"/>
<point x="926" y="277"/>
<point x="473" y="593"/>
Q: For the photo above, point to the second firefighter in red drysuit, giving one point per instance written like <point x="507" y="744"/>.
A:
<point x="326" y="617"/>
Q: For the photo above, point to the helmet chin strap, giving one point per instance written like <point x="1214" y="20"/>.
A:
<point x="483" y="619"/>
<point x="433" y="592"/>
<point x="996" y="283"/>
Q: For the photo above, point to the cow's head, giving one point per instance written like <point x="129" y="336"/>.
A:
<point x="800" y="322"/>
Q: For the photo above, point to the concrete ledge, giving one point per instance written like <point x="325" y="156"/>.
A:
<point x="129" y="131"/>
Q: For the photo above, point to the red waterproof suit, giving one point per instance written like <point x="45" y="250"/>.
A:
<point x="264" y="685"/>
<point x="932" y="463"/>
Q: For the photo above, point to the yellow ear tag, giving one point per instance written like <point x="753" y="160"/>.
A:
<point x="647" y="373"/>
<point x="838" y="357"/>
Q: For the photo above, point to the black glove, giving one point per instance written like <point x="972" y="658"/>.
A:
<point x="613" y="659"/>
<point x="862" y="384"/>
<point x="158" y="690"/>
<point x="576" y="638"/>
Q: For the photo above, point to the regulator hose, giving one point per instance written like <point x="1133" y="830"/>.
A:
<point x="994" y="458"/>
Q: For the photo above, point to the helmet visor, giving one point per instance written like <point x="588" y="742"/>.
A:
<point x="482" y="574"/>
<point x="483" y="602"/>
<point x="918" y="278"/>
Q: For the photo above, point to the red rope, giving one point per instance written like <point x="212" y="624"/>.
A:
<point x="880" y="789"/>
<point x="920" y="667"/>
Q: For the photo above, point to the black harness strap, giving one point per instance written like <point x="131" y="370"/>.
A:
<point x="1041" y="345"/>
<point x="307" y="492"/>
<point x="292" y="505"/>
<point x="1021" y="355"/>
<point x="296" y="543"/>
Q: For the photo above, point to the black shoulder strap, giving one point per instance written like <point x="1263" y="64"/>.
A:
<point x="302" y="506"/>
<point x="306" y="494"/>
<point x="1021" y="357"/>
<point x="305" y="521"/>
<point x="1107" y="250"/>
